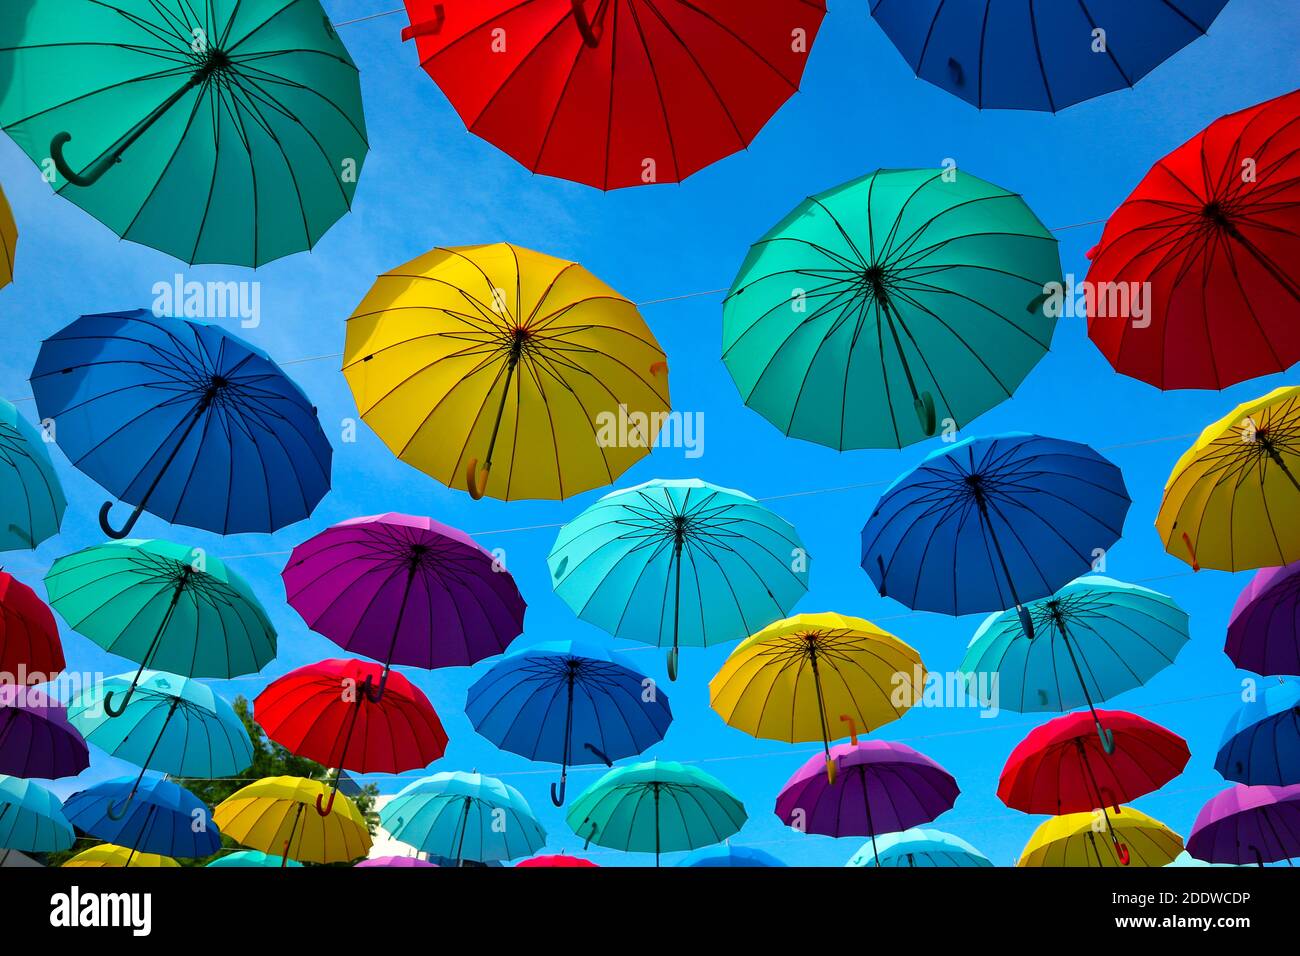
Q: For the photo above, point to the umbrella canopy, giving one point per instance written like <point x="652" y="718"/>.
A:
<point x="990" y="523"/>
<point x="797" y="679"/>
<point x="1261" y="744"/>
<point x="164" y="606"/>
<point x="396" y="862"/>
<point x="1186" y="859"/>
<point x="161" y="818"/>
<point x="727" y="855"/>
<point x="184" y="420"/>
<point x="464" y="816"/>
<point x="31" y="497"/>
<point x="31" y="818"/>
<point x="1044" y="56"/>
<point x="619" y="92"/>
<point x="1232" y="502"/>
<point x="107" y="855"/>
<point x="679" y="563"/>
<point x="890" y="304"/>
<point x="505" y="372"/>
<point x="1245" y="825"/>
<point x="557" y="861"/>
<point x="1076" y="840"/>
<point x="277" y="815"/>
<point x="919" y="846"/>
<point x="324" y="712"/>
<point x="30" y="649"/>
<point x="252" y="858"/>
<point x="221" y="132"/>
<point x="1264" y="630"/>
<point x="36" y="739"/>
<point x="568" y="702"/>
<point x="8" y="241"/>
<point x="1211" y="234"/>
<point x="658" y="806"/>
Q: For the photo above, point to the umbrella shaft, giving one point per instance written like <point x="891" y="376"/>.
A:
<point x="501" y="408"/>
<point x="1078" y="671"/>
<point x="677" y="590"/>
<point x="401" y="614"/>
<point x="997" y="545"/>
<point x="888" y="309"/>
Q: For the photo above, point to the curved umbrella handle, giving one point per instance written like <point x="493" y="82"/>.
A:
<point x="324" y="810"/>
<point x="91" y="176"/>
<point x="117" y="534"/>
<point x="673" y="657"/>
<point x="477" y="478"/>
<point x="1121" y="850"/>
<point x="599" y="753"/>
<point x="1026" y="620"/>
<point x="557" y="796"/>
<point x="1107" y="738"/>
<point x="117" y="813"/>
<point x="375" y="694"/>
<point x="853" y="729"/>
<point x="1191" y="549"/>
<point x="428" y="27"/>
<point x="589" y="36"/>
<point x="925" y="413"/>
<point x="120" y="709"/>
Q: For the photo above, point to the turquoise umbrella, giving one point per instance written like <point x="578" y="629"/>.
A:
<point x="31" y="498"/>
<point x="658" y="806"/>
<point x="679" y="562"/>
<point x="887" y="305"/>
<point x="253" y="858"/>
<point x="919" y="847"/>
<point x="31" y="819"/>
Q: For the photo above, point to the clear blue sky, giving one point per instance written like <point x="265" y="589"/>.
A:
<point x="427" y="183"/>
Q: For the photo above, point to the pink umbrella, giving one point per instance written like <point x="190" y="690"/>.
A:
<point x="1264" y="630"/>
<point x="398" y="862"/>
<point x="1246" y="825"/>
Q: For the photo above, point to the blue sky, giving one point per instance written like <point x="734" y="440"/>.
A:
<point x="427" y="183"/>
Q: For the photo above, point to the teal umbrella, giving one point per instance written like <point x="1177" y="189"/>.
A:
<point x="164" y="606"/>
<point x="919" y="847"/>
<point x="31" y="819"/>
<point x="885" y="306"/>
<point x="31" y="498"/>
<point x="228" y="131"/>
<point x="253" y="858"/>
<point x="658" y="806"/>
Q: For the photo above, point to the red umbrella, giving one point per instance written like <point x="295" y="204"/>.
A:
<point x="1213" y="230"/>
<point x="557" y="860"/>
<point x="30" y="650"/>
<point x="325" y="712"/>
<point x="616" y="93"/>
<point x="1062" y="766"/>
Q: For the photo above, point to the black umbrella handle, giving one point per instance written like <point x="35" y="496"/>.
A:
<point x="117" y="534"/>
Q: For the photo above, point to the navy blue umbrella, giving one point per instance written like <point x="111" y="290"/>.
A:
<point x="1039" y="54"/>
<point x="991" y="523"/>
<point x="184" y="420"/>
<point x="163" y="818"/>
<point x="1262" y="743"/>
<point x="569" y="703"/>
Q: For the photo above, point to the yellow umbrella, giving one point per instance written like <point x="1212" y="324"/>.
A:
<point x="8" y="241"/>
<point x="817" y="677"/>
<point x="1233" y="500"/>
<point x="108" y="854"/>
<point x="278" y="816"/>
<point x="493" y="360"/>
<point x="1082" y="839"/>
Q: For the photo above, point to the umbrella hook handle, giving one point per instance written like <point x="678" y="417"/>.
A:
<point x="1121" y="850"/>
<point x="92" y="175"/>
<point x="674" y="656"/>
<point x="118" y="534"/>
<point x="558" y="794"/>
<point x="477" y="478"/>
<point x="117" y="812"/>
<point x="600" y="754"/>
<point x="925" y="413"/>
<point x="589" y="36"/>
<point x="117" y="710"/>
<point x="324" y="809"/>
<point x="1107" y="737"/>
<point x="853" y="729"/>
<point x="375" y="694"/>
<point x="1191" y="549"/>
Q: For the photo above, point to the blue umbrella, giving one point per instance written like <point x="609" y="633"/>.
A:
<point x="569" y="703"/>
<point x="253" y="858"/>
<point x="990" y="523"/>
<point x="919" y="847"/>
<point x="31" y="818"/>
<point x="730" y="856"/>
<point x="31" y="498"/>
<point x="1262" y="743"/>
<point x="164" y="818"/>
<point x="182" y="419"/>
<point x="1017" y="54"/>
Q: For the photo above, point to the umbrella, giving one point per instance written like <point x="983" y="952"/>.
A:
<point x="31" y="819"/>
<point x="463" y="816"/>
<point x="480" y="358"/>
<point x="168" y="725"/>
<point x="727" y="855"/>
<point x="659" y="806"/>
<point x="887" y="305"/>
<point x="396" y="862"/>
<point x="1261" y="744"/>
<point x="161" y="818"/>
<point x="796" y="679"/>
<point x="31" y="498"/>
<point x="1039" y="56"/>
<point x="615" y="93"/>
<point x="1232" y="501"/>
<point x="404" y="590"/>
<point x="36" y="739"/>
<point x="1244" y="825"/>
<point x="919" y="846"/>
<point x="320" y="710"/>
<point x="271" y="815"/>
<point x="8" y="241"/>
<point x="557" y="861"/>
<point x="30" y="649"/>
<point x="1078" y="839"/>
<point x="990" y="523"/>
<point x="165" y="606"/>
<point x="252" y="858"/>
<point x="214" y="132"/>
<point x="1210" y="235"/>
<point x="1186" y="859"/>
<point x="679" y="562"/>
<point x="570" y="703"/>
<point x="1264" y="630"/>
<point x="182" y="419"/>
<point x="880" y="787"/>
<point x="108" y="855"/>
<point x="1092" y="640"/>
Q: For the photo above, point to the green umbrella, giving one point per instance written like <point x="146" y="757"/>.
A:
<point x="656" y="807"/>
<point x="883" y="307"/>
<point x="226" y="131"/>
<point x="31" y="498"/>
<point x="164" y="606"/>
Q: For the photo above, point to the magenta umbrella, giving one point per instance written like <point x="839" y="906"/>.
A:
<point x="1246" y="825"/>
<point x="880" y="787"/>
<point x="404" y="590"/>
<point x="36" y="740"/>
<point x="1264" y="630"/>
<point x="397" y="862"/>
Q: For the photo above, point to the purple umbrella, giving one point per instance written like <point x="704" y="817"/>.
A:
<point x="1246" y="825"/>
<point x="404" y="590"/>
<point x="400" y="862"/>
<point x="880" y="787"/>
<point x="1264" y="630"/>
<point x="36" y="739"/>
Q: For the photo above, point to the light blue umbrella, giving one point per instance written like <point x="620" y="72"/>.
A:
<point x="31" y="498"/>
<point x="170" y="725"/>
<point x="164" y="818"/>
<point x="679" y="563"/>
<point x="730" y="856"/>
<point x="1186" y="859"/>
<point x="31" y="818"/>
<point x="919" y="846"/>
<point x="253" y="858"/>
<point x="1262" y="742"/>
<point x="464" y="816"/>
